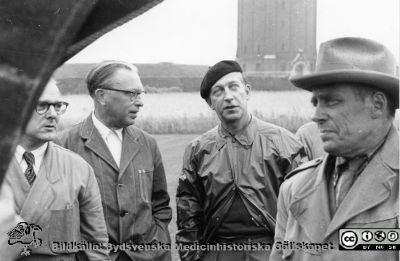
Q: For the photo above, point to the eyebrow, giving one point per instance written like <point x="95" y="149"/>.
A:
<point x="230" y="82"/>
<point x="51" y="100"/>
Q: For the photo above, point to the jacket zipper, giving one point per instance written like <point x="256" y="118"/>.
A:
<point x="260" y="215"/>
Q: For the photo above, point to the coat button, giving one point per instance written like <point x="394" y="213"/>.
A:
<point x="120" y="185"/>
<point x="123" y="213"/>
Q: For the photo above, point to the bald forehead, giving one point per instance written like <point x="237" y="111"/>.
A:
<point x="125" y="77"/>
<point x="51" y="92"/>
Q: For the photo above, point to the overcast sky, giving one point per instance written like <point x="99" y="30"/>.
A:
<point x="205" y="31"/>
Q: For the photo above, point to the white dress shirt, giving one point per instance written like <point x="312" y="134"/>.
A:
<point x="112" y="138"/>
<point x="38" y="153"/>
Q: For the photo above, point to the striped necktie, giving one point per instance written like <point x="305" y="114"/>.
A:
<point x="29" y="172"/>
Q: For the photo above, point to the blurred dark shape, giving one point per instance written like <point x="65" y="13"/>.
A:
<point x="37" y="37"/>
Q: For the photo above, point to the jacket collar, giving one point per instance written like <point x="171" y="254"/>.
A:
<point x="245" y="137"/>
<point x="52" y="176"/>
<point x="131" y="145"/>
<point x="389" y="155"/>
<point x="31" y="201"/>
<point x="93" y="140"/>
<point x="103" y="129"/>
<point x="311" y="209"/>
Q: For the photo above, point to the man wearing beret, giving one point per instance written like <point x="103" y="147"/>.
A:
<point x="356" y="185"/>
<point x="227" y="191"/>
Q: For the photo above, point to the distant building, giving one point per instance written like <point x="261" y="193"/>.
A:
<point x="271" y="33"/>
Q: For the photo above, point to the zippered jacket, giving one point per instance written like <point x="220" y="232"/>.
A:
<point x="252" y="163"/>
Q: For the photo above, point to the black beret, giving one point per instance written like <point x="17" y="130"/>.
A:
<point x="215" y="73"/>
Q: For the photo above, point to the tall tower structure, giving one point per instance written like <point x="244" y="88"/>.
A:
<point x="272" y="32"/>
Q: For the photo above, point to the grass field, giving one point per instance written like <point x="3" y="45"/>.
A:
<point x="172" y="148"/>
<point x="188" y="113"/>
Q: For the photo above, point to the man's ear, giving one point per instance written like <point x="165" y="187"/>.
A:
<point x="379" y="104"/>
<point x="208" y="100"/>
<point x="99" y="96"/>
<point x="248" y="90"/>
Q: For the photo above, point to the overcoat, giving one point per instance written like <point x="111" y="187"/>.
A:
<point x="64" y="201"/>
<point x="372" y="202"/>
<point x="135" y="197"/>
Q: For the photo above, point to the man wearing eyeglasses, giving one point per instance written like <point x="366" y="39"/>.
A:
<point x="126" y="161"/>
<point x="55" y="192"/>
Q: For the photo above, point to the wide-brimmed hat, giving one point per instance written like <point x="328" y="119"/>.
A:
<point x="353" y="60"/>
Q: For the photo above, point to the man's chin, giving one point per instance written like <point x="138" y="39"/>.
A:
<point x="48" y="137"/>
<point x="332" y="148"/>
<point x="131" y="121"/>
<point x="230" y="118"/>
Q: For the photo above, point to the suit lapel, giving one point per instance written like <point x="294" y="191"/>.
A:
<point x="130" y="147"/>
<point x="41" y="195"/>
<point x="311" y="208"/>
<point x="372" y="187"/>
<point x="18" y="183"/>
<point x="95" y="143"/>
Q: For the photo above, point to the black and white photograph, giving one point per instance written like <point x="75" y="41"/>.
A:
<point x="199" y="130"/>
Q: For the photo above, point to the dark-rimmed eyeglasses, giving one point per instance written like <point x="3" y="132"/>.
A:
<point x="59" y="107"/>
<point x="133" y="95"/>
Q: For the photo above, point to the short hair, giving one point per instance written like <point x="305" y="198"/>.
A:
<point x="99" y="75"/>
<point x="362" y="91"/>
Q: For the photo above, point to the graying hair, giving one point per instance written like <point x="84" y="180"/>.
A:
<point x="99" y="76"/>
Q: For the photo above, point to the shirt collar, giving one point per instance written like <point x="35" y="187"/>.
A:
<point x="103" y="129"/>
<point x="38" y="153"/>
<point x="356" y="162"/>
<point x="245" y="136"/>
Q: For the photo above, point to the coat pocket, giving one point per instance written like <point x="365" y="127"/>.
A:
<point x="146" y="184"/>
<point x="64" y="229"/>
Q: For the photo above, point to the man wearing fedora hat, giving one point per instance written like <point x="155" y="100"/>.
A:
<point x="355" y="93"/>
<point x="231" y="175"/>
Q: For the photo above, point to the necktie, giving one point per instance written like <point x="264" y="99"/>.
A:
<point x="29" y="172"/>
<point x="348" y="173"/>
<point x="114" y="145"/>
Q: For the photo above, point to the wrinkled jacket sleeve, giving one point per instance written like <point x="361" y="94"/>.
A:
<point x="189" y="206"/>
<point x="93" y="226"/>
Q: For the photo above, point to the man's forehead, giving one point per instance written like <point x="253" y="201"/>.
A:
<point x="127" y="78"/>
<point x="230" y="77"/>
<point x="51" y="92"/>
<point x="332" y="89"/>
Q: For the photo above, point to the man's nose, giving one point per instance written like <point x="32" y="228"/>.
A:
<point x="319" y="115"/>
<point x="139" y="101"/>
<point x="228" y="94"/>
<point x="51" y="112"/>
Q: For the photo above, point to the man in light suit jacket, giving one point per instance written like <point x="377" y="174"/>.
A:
<point x="355" y="94"/>
<point x="8" y="220"/>
<point x="126" y="161"/>
<point x="55" y="192"/>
